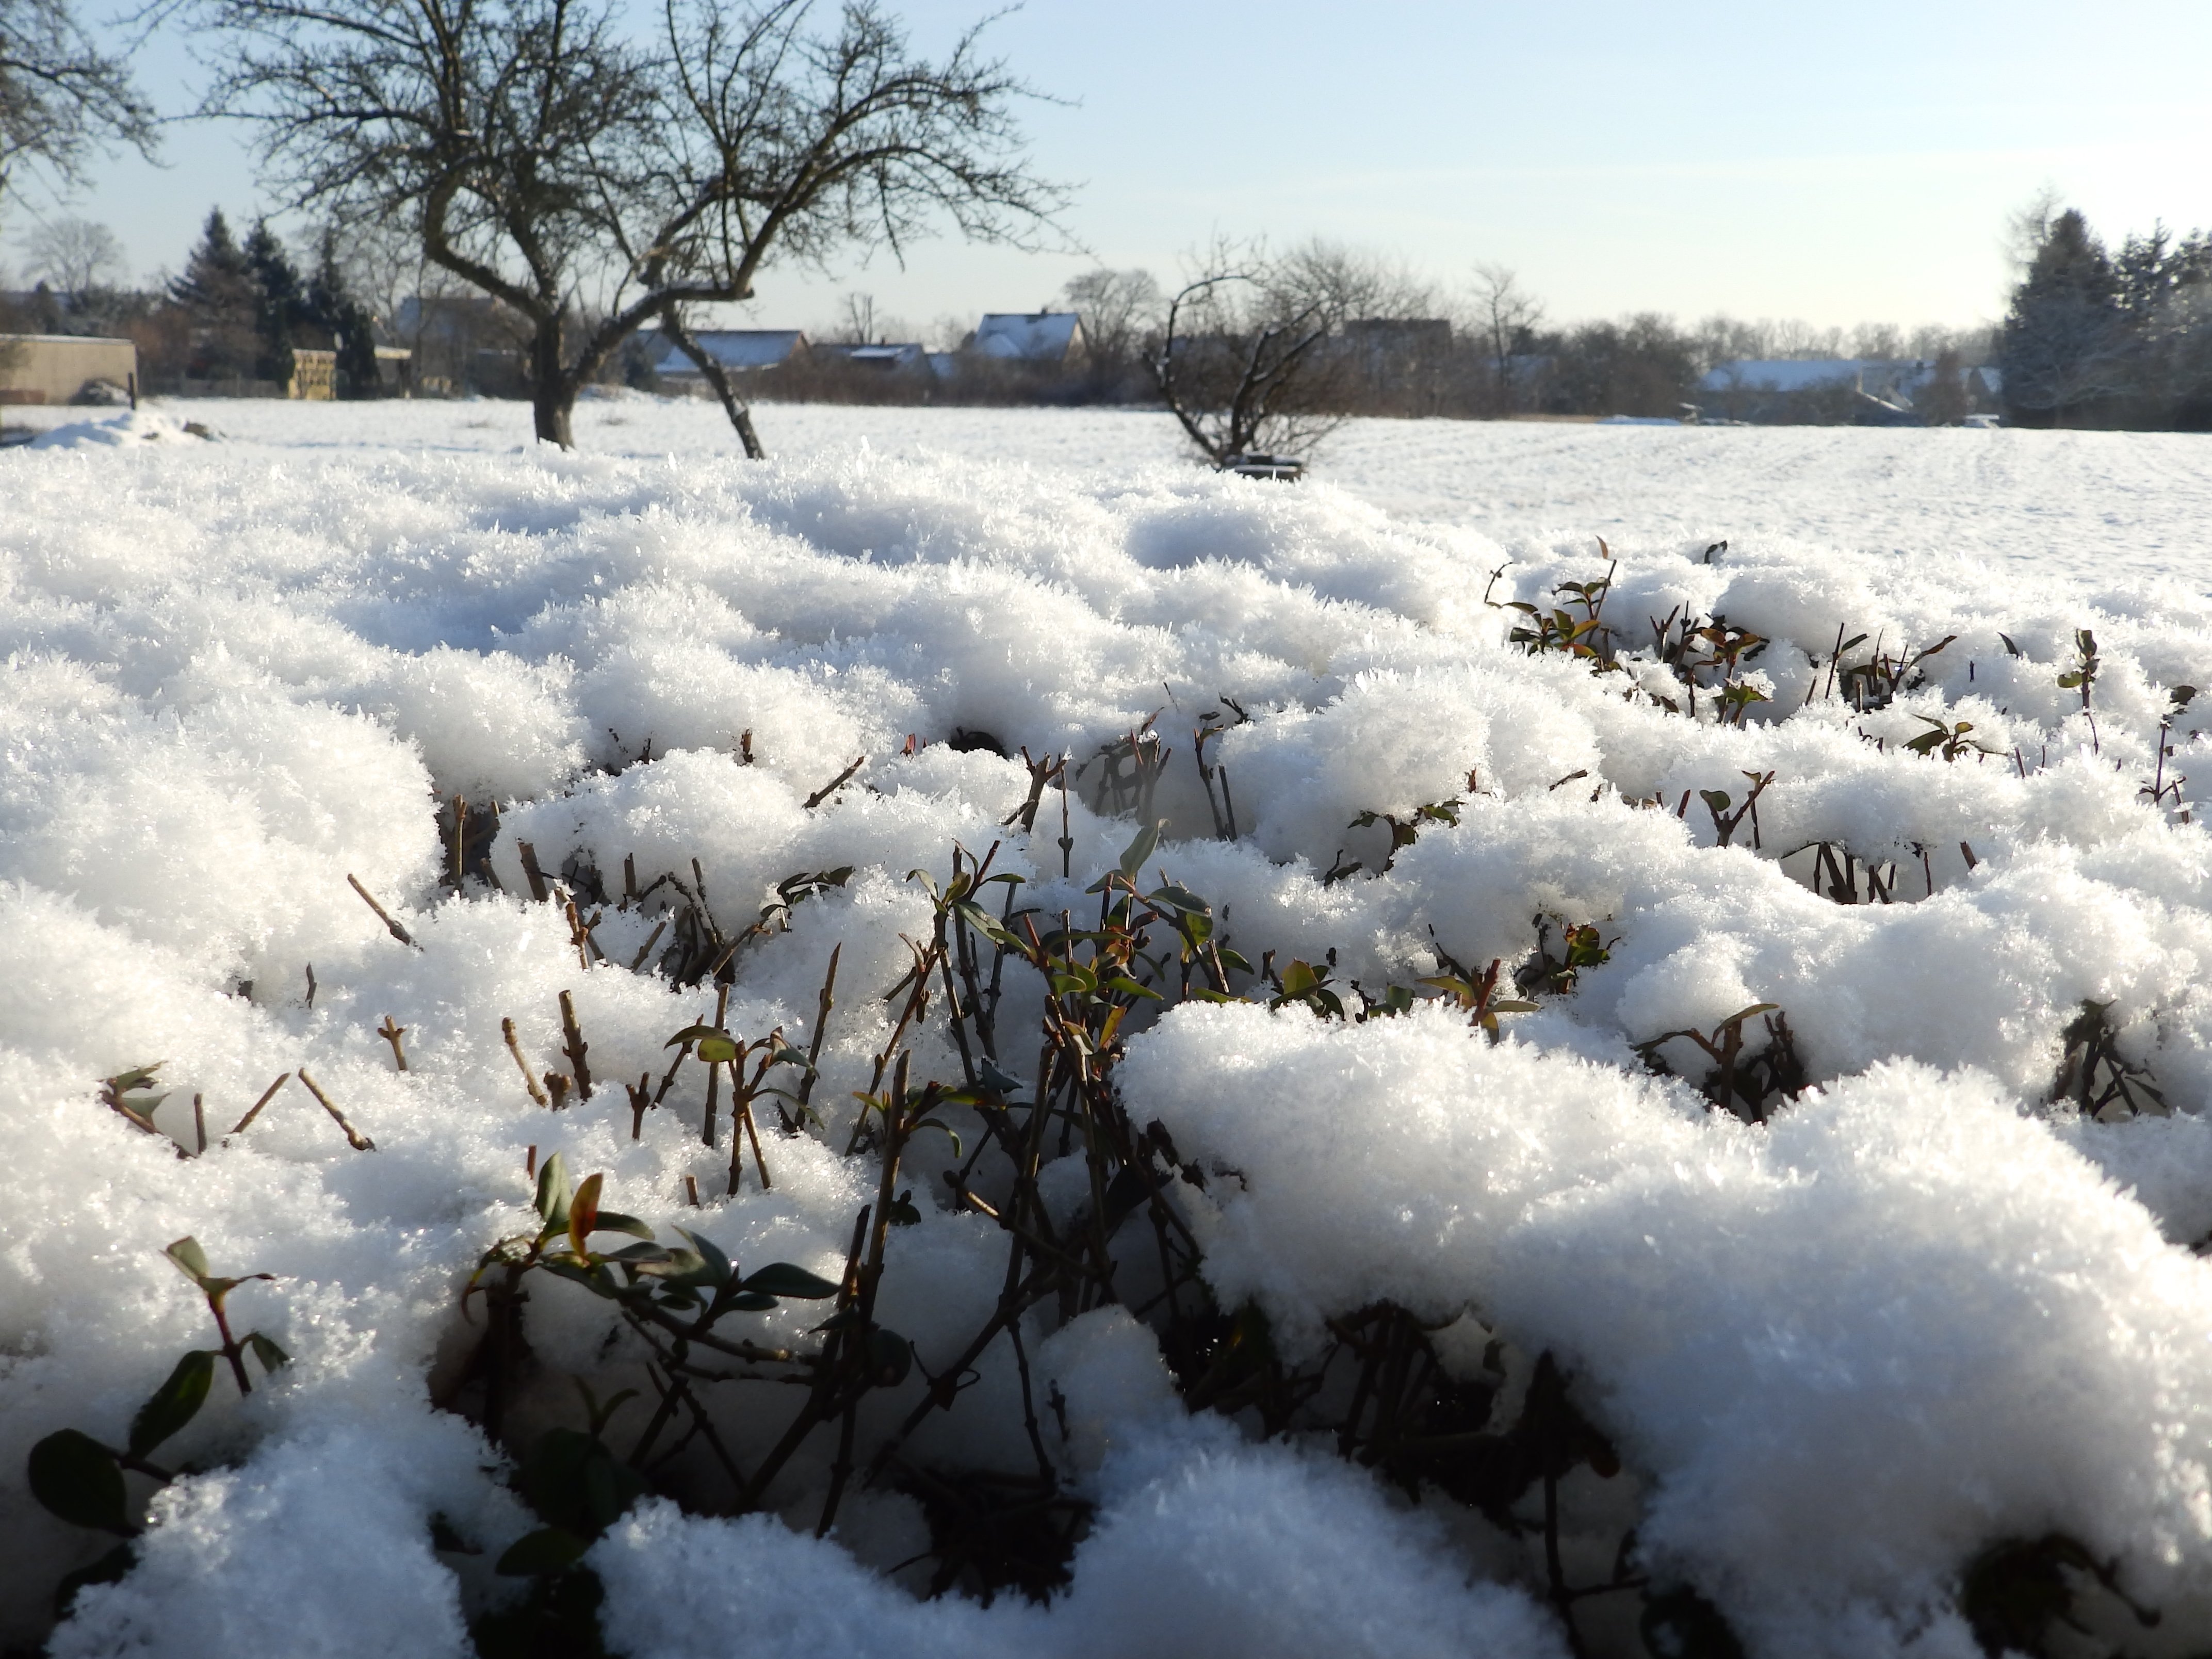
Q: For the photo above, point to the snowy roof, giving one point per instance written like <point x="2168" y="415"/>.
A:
<point x="1037" y="336"/>
<point x="732" y="348"/>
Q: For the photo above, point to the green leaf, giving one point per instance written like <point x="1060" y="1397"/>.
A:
<point x="749" y="1302"/>
<point x="190" y="1260"/>
<point x="1299" y="978"/>
<point x="270" y="1356"/>
<point x="174" y="1404"/>
<point x="553" y="1191"/>
<point x="1512" y="1007"/>
<point x="77" y="1479"/>
<point x="783" y="1279"/>
<point x="718" y="1269"/>
<point x="1134" y="855"/>
<point x="614" y="1221"/>
<point x="1128" y="987"/>
<point x="108" y="1569"/>
<point x="1173" y="897"/>
<point x="550" y="1549"/>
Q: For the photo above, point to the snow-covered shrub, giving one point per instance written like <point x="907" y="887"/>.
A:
<point x="1267" y="1114"/>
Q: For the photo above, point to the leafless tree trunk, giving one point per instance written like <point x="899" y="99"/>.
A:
<point x="710" y="367"/>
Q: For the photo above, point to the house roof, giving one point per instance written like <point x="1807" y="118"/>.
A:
<point x="732" y="348"/>
<point x="1046" y="337"/>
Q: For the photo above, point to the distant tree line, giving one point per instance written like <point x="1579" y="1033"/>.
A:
<point x="1273" y="348"/>
<point x="2095" y="338"/>
<point x="233" y="318"/>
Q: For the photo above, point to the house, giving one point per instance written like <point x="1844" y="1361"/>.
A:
<point x="66" y="368"/>
<point x="880" y="356"/>
<point x="464" y="344"/>
<point x="1050" y="338"/>
<point x="738" y="350"/>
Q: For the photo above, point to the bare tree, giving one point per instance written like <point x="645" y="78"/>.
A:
<point x="856" y="320"/>
<point x="1238" y="370"/>
<point x="1253" y="356"/>
<point x="62" y="97"/>
<point x="540" y="153"/>
<point x="1119" y="309"/>
<point x="1506" y="315"/>
<point x="74" y="256"/>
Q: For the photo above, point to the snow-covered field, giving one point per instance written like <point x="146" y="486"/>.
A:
<point x="1862" y="1337"/>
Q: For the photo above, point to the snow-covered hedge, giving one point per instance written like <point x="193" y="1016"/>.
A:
<point x="1788" y="1242"/>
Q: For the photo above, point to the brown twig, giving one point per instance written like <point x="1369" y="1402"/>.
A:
<point x="531" y="873"/>
<point x="836" y="783"/>
<point x="645" y="950"/>
<point x="383" y="914"/>
<point x="267" y="1095"/>
<point x="575" y="1046"/>
<point x="355" y="1139"/>
<point x="392" y="1032"/>
<point x="529" y="1079"/>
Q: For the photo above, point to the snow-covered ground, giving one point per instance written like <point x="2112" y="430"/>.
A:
<point x="1857" y="1362"/>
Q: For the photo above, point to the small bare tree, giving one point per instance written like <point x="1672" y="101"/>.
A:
<point x="1505" y="315"/>
<point x="540" y="152"/>
<point x="74" y="256"/>
<point x="1119" y="309"/>
<point x="1243" y="359"/>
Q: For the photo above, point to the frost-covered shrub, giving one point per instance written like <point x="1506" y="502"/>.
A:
<point x="1260" y="1082"/>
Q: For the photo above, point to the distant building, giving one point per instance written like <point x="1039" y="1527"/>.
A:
<point x="1049" y="337"/>
<point x="738" y="350"/>
<point x="464" y="344"/>
<point x="882" y="357"/>
<point x="1870" y="391"/>
<point x="66" y="368"/>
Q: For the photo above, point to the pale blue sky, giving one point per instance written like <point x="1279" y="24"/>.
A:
<point x="1832" y="162"/>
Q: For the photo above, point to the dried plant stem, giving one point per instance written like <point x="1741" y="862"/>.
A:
<point x="574" y="1047"/>
<point x="267" y="1095"/>
<point x="637" y="962"/>
<point x="391" y="1031"/>
<point x="836" y="783"/>
<point x="382" y="915"/>
<point x="355" y="1139"/>
<point x="529" y="1079"/>
<point x="531" y="873"/>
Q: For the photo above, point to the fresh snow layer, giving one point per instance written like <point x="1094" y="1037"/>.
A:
<point x="1920" y="1311"/>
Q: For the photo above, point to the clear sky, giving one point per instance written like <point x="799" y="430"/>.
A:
<point x="1829" y="161"/>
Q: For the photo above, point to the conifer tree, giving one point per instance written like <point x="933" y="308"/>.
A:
<point x="331" y="305"/>
<point x="280" y="303"/>
<point x="216" y="294"/>
<point x="2066" y="348"/>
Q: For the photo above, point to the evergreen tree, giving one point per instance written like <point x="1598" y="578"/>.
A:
<point x="2067" y="350"/>
<point x="331" y="304"/>
<point x="280" y="303"/>
<point x="218" y="295"/>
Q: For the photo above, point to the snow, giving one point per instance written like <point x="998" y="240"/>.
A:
<point x="1921" y="1310"/>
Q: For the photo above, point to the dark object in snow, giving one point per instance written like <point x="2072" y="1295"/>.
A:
<point x="1284" y="469"/>
<point x="964" y="742"/>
